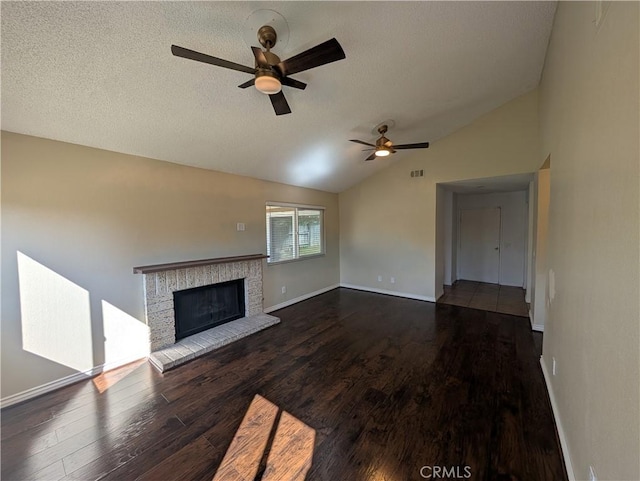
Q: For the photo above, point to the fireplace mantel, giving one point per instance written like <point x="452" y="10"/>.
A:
<point x="202" y="262"/>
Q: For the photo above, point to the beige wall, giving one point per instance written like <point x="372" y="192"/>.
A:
<point x="589" y="115"/>
<point x="388" y="222"/>
<point x="82" y="218"/>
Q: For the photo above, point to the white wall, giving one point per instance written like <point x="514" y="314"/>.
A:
<point x="76" y="220"/>
<point x="541" y="296"/>
<point x="590" y="124"/>
<point x="450" y="237"/>
<point x="530" y="282"/>
<point x="388" y="221"/>
<point x="441" y="221"/>
<point x="513" y="230"/>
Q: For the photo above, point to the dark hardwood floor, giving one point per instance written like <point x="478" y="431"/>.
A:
<point x="488" y="297"/>
<point x="389" y="385"/>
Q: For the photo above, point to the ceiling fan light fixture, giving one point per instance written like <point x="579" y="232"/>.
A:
<point x="382" y="152"/>
<point x="267" y="83"/>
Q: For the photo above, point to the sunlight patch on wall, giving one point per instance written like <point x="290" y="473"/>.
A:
<point x="125" y="337"/>
<point x="56" y="316"/>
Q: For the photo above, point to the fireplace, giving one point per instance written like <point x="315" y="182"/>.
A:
<point x="161" y="281"/>
<point x="221" y="300"/>
<point x="204" y="307"/>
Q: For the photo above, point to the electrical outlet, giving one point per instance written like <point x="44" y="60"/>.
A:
<point x="393" y="280"/>
<point x="379" y="278"/>
<point x="592" y="474"/>
<point x="284" y="289"/>
<point x="553" y="366"/>
<point x="240" y="226"/>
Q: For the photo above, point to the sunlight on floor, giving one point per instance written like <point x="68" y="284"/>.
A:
<point x="288" y="450"/>
<point x="107" y="379"/>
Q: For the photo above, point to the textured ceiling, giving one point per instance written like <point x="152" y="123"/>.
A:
<point x="101" y="74"/>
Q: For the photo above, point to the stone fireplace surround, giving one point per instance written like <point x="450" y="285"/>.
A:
<point x="161" y="281"/>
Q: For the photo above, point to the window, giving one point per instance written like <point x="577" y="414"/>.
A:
<point x="294" y="232"/>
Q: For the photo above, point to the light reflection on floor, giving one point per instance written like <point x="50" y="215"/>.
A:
<point x="107" y="379"/>
<point x="270" y="445"/>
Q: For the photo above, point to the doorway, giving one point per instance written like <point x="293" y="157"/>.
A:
<point x="479" y="248"/>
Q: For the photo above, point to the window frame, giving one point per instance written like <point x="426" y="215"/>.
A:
<point x="296" y="207"/>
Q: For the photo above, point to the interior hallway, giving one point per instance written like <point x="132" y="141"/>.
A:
<point x="487" y="297"/>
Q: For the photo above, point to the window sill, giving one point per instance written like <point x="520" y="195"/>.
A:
<point x="289" y="261"/>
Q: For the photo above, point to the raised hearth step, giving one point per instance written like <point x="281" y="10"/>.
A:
<point x="206" y="341"/>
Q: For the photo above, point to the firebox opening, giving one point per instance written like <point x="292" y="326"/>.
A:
<point x="205" y="307"/>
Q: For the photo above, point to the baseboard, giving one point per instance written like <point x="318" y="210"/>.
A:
<point x="554" y="407"/>
<point x="389" y="293"/>
<point x="62" y="382"/>
<point x="295" y="300"/>
<point x="535" y="327"/>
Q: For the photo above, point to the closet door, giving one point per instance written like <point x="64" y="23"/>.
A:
<point x="479" y="255"/>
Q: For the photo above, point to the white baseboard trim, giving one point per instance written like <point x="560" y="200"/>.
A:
<point x="554" y="407"/>
<point x="290" y="302"/>
<point x="62" y="382"/>
<point x="535" y="327"/>
<point x="389" y="293"/>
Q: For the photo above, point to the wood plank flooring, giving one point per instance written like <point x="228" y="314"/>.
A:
<point x="389" y="385"/>
<point x="488" y="297"/>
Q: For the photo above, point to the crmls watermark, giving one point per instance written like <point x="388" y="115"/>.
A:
<point x="445" y="472"/>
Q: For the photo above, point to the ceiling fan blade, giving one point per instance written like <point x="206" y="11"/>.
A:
<point x="248" y="83"/>
<point x="371" y="157"/>
<point x="361" y="142"/>
<point x="289" y="82"/>
<point x="201" y="57"/>
<point x="367" y="150"/>
<point x="280" y="104"/>
<point x="326" y="52"/>
<point x="260" y="58"/>
<point x="420" y="145"/>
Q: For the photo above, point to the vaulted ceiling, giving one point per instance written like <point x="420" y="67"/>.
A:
<point x="101" y="74"/>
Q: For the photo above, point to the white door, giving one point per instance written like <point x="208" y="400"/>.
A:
<point x="479" y="258"/>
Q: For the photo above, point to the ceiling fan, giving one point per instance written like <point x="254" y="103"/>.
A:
<point x="270" y="73"/>
<point x="384" y="146"/>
